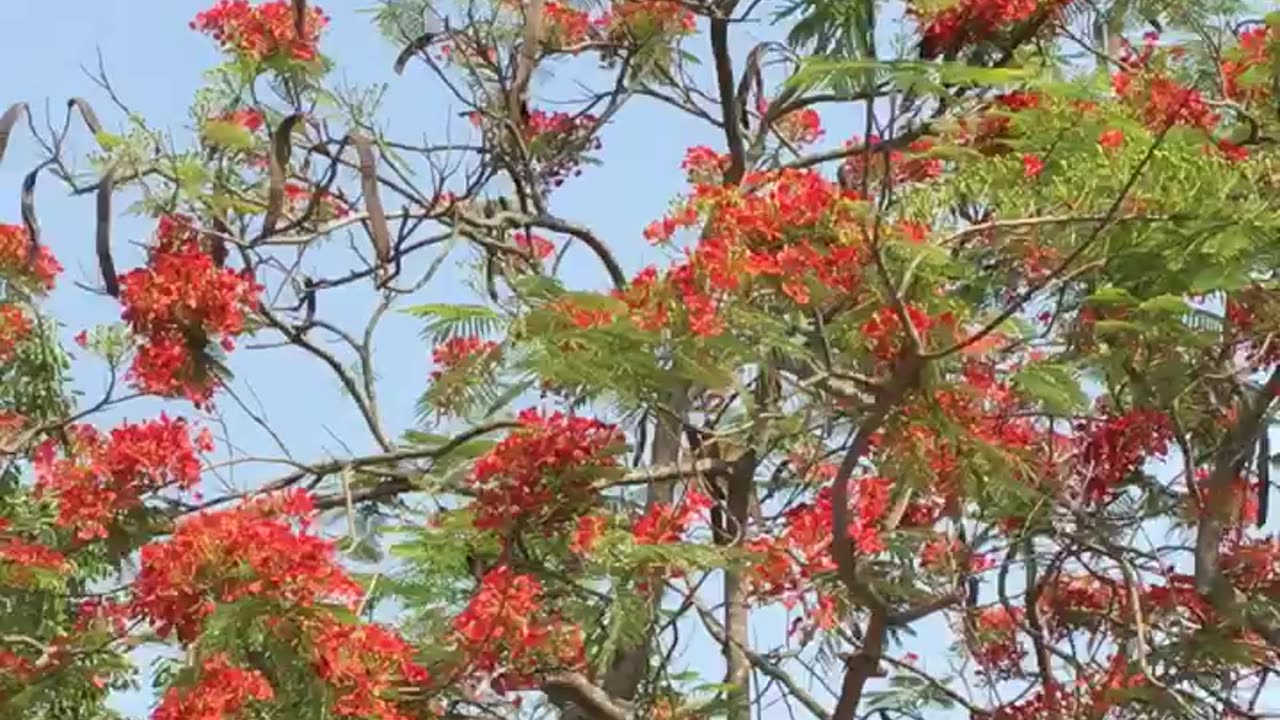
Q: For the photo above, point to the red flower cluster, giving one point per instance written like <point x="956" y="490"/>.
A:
<point x="994" y="644"/>
<point x="17" y="265"/>
<point x="557" y="141"/>
<point x="366" y="665"/>
<point x="1093" y="697"/>
<point x="1253" y="324"/>
<point x="1252" y="54"/>
<point x="15" y="670"/>
<point x="967" y="22"/>
<point x="20" y="557"/>
<point x="221" y="691"/>
<point x="565" y="26"/>
<point x="253" y="550"/>
<point x="15" y="328"/>
<point x="461" y="351"/>
<point x="534" y="244"/>
<point x="885" y="334"/>
<point x="247" y="118"/>
<point x="872" y="163"/>
<point x="544" y="471"/>
<point x="1111" y="139"/>
<point x="580" y="316"/>
<point x="942" y="553"/>
<point x="102" y="477"/>
<point x="643" y="19"/>
<point x="180" y="303"/>
<point x="663" y="523"/>
<point x="1254" y="566"/>
<point x="568" y="28"/>
<point x="704" y="165"/>
<point x="1084" y="601"/>
<point x="792" y="230"/>
<point x="262" y="32"/>
<point x="1144" y="81"/>
<point x="802" y="127"/>
<point x="1112" y="449"/>
<point x="328" y="206"/>
<point x="803" y="549"/>
<point x="504" y="633"/>
<point x="588" y="532"/>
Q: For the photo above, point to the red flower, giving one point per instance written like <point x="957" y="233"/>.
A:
<point x="1112" y="449"/>
<point x="629" y="21"/>
<point x="503" y="632"/>
<point x="789" y="235"/>
<point x="366" y="665"/>
<point x="1232" y="152"/>
<point x="1111" y="139"/>
<point x="103" y="477"/>
<point x="1032" y="166"/>
<point x="247" y="118"/>
<point x="24" y="556"/>
<point x="251" y="551"/>
<point x="1254" y="51"/>
<point x="221" y="691"/>
<point x="1163" y="100"/>
<point x="15" y="328"/>
<point x="262" y="32"/>
<point x="704" y="165"/>
<point x="327" y="206"/>
<point x="967" y="22"/>
<point x="802" y="127"/>
<point x="461" y="351"/>
<point x="557" y="141"/>
<point x="544" y="471"/>
<point x="804" y="547"/>
<point x="535" y="245"/>
<point x="663" y="523"/>
<point x="995" y="645"/>
<point x="566" y="25"/>
<point x="180" y="303"/>
<point x="587" y="533"/>
<point x="17" y="263"/>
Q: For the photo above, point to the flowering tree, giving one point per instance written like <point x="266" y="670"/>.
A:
<point x="963" y="415"/>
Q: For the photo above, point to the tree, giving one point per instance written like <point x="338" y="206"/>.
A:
<point x="964" y="416"/>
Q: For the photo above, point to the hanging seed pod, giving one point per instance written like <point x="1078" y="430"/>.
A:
<point x="379" y="231"/>
<point x="281" y="149"/>
<point x="102" y="235"/>
<point x="29" y="209"/>
<point x="7" y="123"/>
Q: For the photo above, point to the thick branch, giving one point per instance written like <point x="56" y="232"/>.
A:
<point x="573" y="688"/>
<point x="1219" y="506"/>
<point x="729" y="110"/>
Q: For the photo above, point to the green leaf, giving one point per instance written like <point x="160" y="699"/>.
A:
<point x="191" y="175"/>
<point x="1116" y="327"/>
<point x="1165" y="305"/>
<point x="108" y="141"/>
<point x="507" y="397"/>
<point x="1055" y="386"/>
<point x="1111" y="296"/>
<point x="1219" y="277"/>
<point x="232" y="136"/>
<point x="446" y="321"/>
